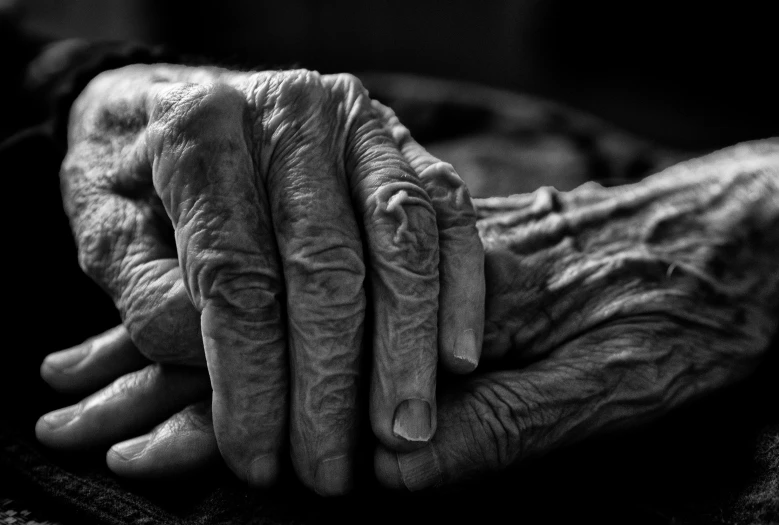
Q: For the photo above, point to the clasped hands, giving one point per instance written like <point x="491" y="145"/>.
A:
<point x="257" y="222"/>
<point x="249" y="215"/>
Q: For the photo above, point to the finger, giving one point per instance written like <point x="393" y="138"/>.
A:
<point x="461" y="264"/>
<point x="491" y="423"/>
<point x="129" y="406"/>
<point x="94" y="363"/>
<point x="205" y="176"/>
<point x="321" y="252"/>
<point x="125" y="244"/>
<point x="183" y="444"/>
<point x="402" y="241"/>
<point x="621" y="375"/>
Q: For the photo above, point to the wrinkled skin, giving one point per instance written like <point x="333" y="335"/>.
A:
<point x="609" y="307"/>
<point x="605" y="308"/>
<point x="240" y="220"/>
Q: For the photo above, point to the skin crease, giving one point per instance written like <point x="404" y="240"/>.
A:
<point x="609" y="307"/>
<point x="606" y="307"/>
<point x="244" y="217"/>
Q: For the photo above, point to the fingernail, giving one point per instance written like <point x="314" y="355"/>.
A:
<point x="61" y="417"/>
<point x="420" y="469"/>
<point x="412" y="420"/>
<point x="333" y="476"/>
<point x="263" y="471"/>
<point x="131" y="449"/>
<point x="465" y="347"/>
<point x="66" y="359"/>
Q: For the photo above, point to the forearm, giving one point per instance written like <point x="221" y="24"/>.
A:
<point x="698" y="242"/>
<point x="608" y="308"/>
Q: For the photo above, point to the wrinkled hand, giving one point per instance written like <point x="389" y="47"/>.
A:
<point x="609" y="307"/>
<point x="249" y="215"/>
<point x="606" y="308"/>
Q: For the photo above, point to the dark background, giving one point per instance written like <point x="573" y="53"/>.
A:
<point x="685" y="76"/>
<point x="688" y="74"/>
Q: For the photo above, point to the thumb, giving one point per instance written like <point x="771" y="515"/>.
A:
<point x="609" y="379"/>
<point x="494" y="421"/>
<point x="488" y="424"/>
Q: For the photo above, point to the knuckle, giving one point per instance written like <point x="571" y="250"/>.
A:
<point x="332" y="294"/>
<point x="119" y="119"/>
<point x="329" y="273"/>
<point x="450" y="197"/>
<point x="385" y="111"/>
<point x="196" y="417"/>
<point x="142" y="379"/>
<point x="442" y="180"/>
<point x="94" y="250"/>
<point x="102" y="83"/>
<point x="102" y="242"/>
<point x="128" y="385"/>
<point x="175" y="102"/>
<point x="300" y="88"/>
<point x="195" y="108"/>
<point x="160" y="325"/>
<point x="332" y="402"/>
<point x="347" y="83"/>
<point x="249" y="291"/>
<point x="349" y="90"/>
<point x="405" y="218"/>
<point x="110" y="106"/>
<point x="404" y="245"/>
<point x="399" y="132"/>
<point x="79" y="187"/>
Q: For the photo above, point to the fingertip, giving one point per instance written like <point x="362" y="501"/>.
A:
<point x="181" y="445"/>
<point x="42" y="431"/>
<point x="410" y="425"/>
<point x="56" y="368"/>
<point x="411" y="471"/>
<point x="461" y="305"/>
<point x="413" y="421"/>
<point x="124" y="459"/>
<point x="51" y="376"/>
<point x="119" y="465"/>
<point x="462" y="353"/>
<point x="334" y="476"/>
<point x="93" y="363"/>
<point x="457" y="365"/>
<point x="52" y="429"/>
<point x="263" y="471"/>
<point x="64" y="360"/>
<point x="385" y="466"/>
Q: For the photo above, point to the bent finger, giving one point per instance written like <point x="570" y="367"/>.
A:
<point x="94" y="363"/>
<point x="129" y="406"/>
<point x="125" y="245"/>
<point x="204" y="173"/>
<point x="182" y="444"/>
<point x="488" y="424"/>
<point x="621" y="375"/>
<point x="321" y="252"/>
<point x="461" y="264"/>
<point x="402" y="243"/>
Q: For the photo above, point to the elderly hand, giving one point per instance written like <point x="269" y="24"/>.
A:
<point x="250" y="214"/>
<point x="609" y="307"/>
